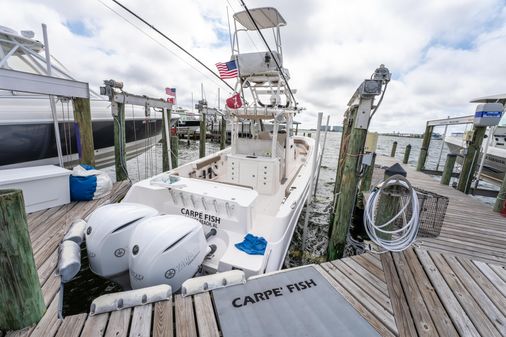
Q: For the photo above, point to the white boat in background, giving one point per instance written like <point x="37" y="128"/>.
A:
<point x="27" y="135"/>
<point x="494" y="165"/>
<point x="257" y="186"/>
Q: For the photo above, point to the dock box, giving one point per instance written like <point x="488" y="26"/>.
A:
<point x="43" y="186"/>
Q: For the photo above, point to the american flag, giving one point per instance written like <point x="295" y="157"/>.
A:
<point x="227" y="69"/>
<point x="170" y="91"/>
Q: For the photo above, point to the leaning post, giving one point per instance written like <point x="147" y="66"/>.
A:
<point x="448" y="169"/>
<point x="394" y="149"/>
<point x="471" y="159"/>
<point x="407" y="152"/>
<point x="21" y="299"/>
<point x="427" y="136"/>
<point x="84" y="130"/>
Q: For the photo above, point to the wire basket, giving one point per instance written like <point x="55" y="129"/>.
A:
<point x="432" y="213"/>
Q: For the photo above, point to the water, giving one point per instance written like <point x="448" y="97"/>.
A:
<point x="82" y="291"/>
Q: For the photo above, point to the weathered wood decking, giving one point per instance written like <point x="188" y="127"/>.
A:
<point x="453" y="285"/>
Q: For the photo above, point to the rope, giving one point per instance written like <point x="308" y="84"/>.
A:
<point x="401" y="238"/>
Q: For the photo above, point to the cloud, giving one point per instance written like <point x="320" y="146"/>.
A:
<point x="441" y="53"/>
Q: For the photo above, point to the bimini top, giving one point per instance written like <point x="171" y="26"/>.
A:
<point x="501" y="98"/>
<point x="265" y="17"/>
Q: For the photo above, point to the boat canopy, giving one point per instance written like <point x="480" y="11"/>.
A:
<point x="500" y="98"/>
<point x="265" y="17"/>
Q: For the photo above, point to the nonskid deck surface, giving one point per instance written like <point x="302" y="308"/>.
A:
<point x="437" y="289"/>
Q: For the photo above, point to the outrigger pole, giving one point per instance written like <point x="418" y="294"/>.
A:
<point x="174" y="43"/>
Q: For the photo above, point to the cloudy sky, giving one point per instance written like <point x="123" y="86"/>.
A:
<point x="441" y="53"/>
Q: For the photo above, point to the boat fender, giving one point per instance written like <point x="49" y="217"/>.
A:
<point x="69" y="262"/>
<point x="131" y="298"/>
<point x="76" y="231"/>
<point x="205" y="283"/>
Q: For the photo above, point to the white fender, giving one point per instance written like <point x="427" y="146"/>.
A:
<point x="131" y="298"/>
<point x="210" y="282"/>
<point x="69" y="262"/>
<point x="76" y="231"/>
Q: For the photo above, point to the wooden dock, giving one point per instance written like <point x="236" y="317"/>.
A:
<point x="453" y="285"/>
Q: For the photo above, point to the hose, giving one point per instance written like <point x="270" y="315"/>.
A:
<point x="393" y="239"/>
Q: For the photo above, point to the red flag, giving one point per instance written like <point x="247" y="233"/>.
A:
<point x="171" y="100"/>
<point x="234" y="102"/>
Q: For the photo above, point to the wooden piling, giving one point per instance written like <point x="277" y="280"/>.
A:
<point x="343" y="148"/>
<point x="202" y="142"/>
<point x="21" y="300"/>
<point x="394" y="149"/>
<point x="365" y="184"/>
<point x="501" y="197"/>
<point x="471" y="159"/>
<point x="425" y="147"/>
<point x="348" y="188"/>
<point x="165" y="150"/>
<point x="448" y="169"/>
<point x="84" y="131"/>
<point x="389" y="201"/>
<point x="309" y="134"/>
<point x="407" y="152"/>
<point x="223" y="133"/>
<point x="174" y="147"/>
<point x="119" y="141"/>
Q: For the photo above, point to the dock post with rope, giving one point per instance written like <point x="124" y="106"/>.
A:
<point x="82" y="117"/>
<point x="471" y="159"/>
<point x="358" y="115"/>
<point x="118" y="115"/>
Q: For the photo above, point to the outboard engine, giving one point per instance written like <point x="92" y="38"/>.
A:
<point x="166" y="249"/>
<point x="108" y="234"/>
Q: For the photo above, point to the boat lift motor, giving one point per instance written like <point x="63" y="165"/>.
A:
<point x="488" y="114"/>
<point x="166" y="249"/>
<point x="108" y="234"/>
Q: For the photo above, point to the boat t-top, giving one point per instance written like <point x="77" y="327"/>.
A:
<point x="235" y="209"/>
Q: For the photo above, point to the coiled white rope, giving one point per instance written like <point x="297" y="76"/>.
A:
<point x="393" y="239"/>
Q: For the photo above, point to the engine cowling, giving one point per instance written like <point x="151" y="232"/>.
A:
<point x="108" y="233"/>
<point x="166" y="249"/>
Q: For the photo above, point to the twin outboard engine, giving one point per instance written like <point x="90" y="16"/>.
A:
<point x="136" y="247"/>
<point x="166" y="249"/>
<point x="108" y="234"/>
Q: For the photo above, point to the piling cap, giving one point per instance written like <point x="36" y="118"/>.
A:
<point x="395" y="169"/>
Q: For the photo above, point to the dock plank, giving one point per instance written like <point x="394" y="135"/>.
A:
<point x="95" y="326"/>
<point x="204" y="312"/>
<point x="362" y="309"/>
<point x="118" y="324"/>
<point x="72" y="326"/>
<point x="141" y="321"/>
<point x="163" y="325"/>
<point x="185" y="320"/>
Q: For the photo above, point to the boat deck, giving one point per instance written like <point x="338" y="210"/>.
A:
<point x="453" y="285"/>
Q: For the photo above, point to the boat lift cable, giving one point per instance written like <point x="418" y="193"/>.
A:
<point x="393" y="239"/>
<point x="270" y="51"/>
<point x="171" y="41"/>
